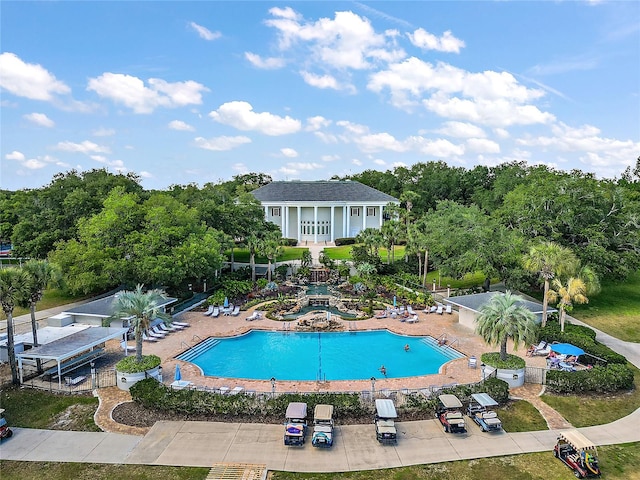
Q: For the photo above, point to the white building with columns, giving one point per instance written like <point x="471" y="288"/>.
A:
<point x="322" y="211"/>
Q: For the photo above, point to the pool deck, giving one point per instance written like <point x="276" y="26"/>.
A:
<point x="432" y="324"/>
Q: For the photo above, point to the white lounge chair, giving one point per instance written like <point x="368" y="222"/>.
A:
<point x="472" y="362"/>
<point x="209" y="311"/>
<point x="410" y="310"/>
<point x="236" y="311"/>
<point x="216" y="312"/>
<point x="148" y="338"/>
<point x="157" y="332"/>
<point x="71" y="381"/>
<point x="235" y="390"/>
<point x="433" y="309"/>
<point x="254" y="316"/>
<point x="439" y="310"/>
<point x="413" y="319"/>
<point x="181" y="324"/>
<point x="127" y="348"/>
<point x="448" y="309"/>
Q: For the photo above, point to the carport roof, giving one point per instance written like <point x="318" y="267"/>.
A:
<point x="477" y="300"/>
<point x="103" y="307"/>
<point x="72" y="345"/>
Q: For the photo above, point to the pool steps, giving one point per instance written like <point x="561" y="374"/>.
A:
<point x="450" y="353"/>
<point x="196" y="350"/>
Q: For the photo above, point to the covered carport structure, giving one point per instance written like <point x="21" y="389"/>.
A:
<point x="71" y="351"/>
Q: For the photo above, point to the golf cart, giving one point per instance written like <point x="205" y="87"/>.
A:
<point x="384" y="420"/>
<point x="5" y="431"/>
<point x="449" y="412"/>
<point x="295" y="427"/>
<point x="578" y="453"/>
<point x="322" y="426"/>
<point x="487" y="419"/>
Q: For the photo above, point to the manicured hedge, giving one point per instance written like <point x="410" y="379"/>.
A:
<point x="289" y="242"/>
<point x="345" y="241"/>
<point x="513" y="362"/>
<point x="130" y="365"/>
<point x="611" y="378"/>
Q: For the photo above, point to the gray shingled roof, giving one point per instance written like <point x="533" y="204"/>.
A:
<point x="320" y="191"/>
<point x="103" y="307"/>
<point x="477" y="300"/>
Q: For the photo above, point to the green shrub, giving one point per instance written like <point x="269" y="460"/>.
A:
<point x="583" y="337"/>
<point x="513" y="362"/>
<point x="599" y="379"/>
<point x="130" y="365"/>
<point x="290" y="242"/>
<point x="345" y="241"/>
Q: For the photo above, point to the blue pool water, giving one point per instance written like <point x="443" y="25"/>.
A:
<point x="321" y="356"/>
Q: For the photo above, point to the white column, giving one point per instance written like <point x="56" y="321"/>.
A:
<point x="348" y="221"/>
<point x="315" y="224"/>
<point x="332" y="238"/>
<point x="364" y="217"/>
<point x="282" y="221"/>
<point x="299" y="222"/>
<point x="266" y="213"/>
<point x="380" y="209"/>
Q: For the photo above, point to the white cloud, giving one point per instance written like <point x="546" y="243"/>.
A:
<point x="438" y="148"/>
<point x="132" y="92"/>
<point x="117" y="164"/>
<point x="289" y="152"/>
<point x="28" y="80"/>
<point x="482" y="145"/>
<point x="316" y="123"/>
<point x="330" y="158"/>
<point x="326" y="137"/>
<point x="304" y="166"/>
<point x="220" y="144"/>
<point x="205" y="32"/>
<point x="240" y="115"/>
<point x="380" y="141"/>
<point x="145" y="174"/>
<point x="501" y="132"/>
<point x="40" y="119"/>
<point x="461" y="130"/>
<point x="320" y="81"/>
<point x="180" y="125"/>
<point x="85" y="147"/>
<point x="357" y="162"/>
<point x="15" y="155"/>
<point x="103" y="132"/>
<point x="428" y="41"/>
<point x="348" y="41"/>
<point x="34" y="164"/>
<point x="270" y="63"/>
<point x="380" y="162"/>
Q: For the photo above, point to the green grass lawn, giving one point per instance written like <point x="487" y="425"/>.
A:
<point x="618" y="462"/>
<point x="241" y="255"/>
<point x="51" y="298"/>
<point x="521" y="416"/>
<point x="597" y="409"/>
<point x="615" y="310"/>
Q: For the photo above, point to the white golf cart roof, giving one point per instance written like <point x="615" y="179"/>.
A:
<point x="385" y="408"/>
<point x="484" y="400"/>
<point x="576" y="440"/>
<point x="450" y="401"/>
<point x="296" y="410"/>
<point x="323" y="412"/>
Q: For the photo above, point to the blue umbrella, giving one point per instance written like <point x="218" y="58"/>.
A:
<point x="178" y="375"/>
<point x="567" y="349"/>
<point x="226" y="302"/>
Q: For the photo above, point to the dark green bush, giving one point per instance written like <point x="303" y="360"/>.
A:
<point x="130" y="365"/>
<point x="344" y="241"/>
<point x="597" y="379"/>
<point x="493" y="359"/>
<point x="289" y="242"/>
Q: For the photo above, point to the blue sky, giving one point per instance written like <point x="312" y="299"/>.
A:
<point x="196" y="92"/>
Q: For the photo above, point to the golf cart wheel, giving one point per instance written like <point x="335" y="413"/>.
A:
<point x="555" y="453"/>
<point x="577" y="474"/>
<point x="9" y="433"/>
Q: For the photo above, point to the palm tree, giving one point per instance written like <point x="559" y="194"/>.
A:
<point x="13" y="290"/>
<point x="372" y="239"/>
<point x="550" y="260"/>
<point x="574" y="290"/>
<point x="140" y="308"/>
<point x="253" y="244"/>
<point x="504" y="318"/>
<point x="41" y="274"/>
<point x="270" y="246"/>
<point x="391" y="231"/>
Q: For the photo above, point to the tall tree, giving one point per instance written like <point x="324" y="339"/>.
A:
<point x="391" y="232"/>
<point x="504" y="318"/>
<point x="41" y="274"/>
<point x="573" y="290"/>
<point x="271" y="247"/>
<point x="253" y="244"/>
<point x="14" y="289"/>
<point x="141" y="308"/>
<point x="549" y="260"/>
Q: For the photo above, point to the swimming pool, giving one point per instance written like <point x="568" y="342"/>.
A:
<point x="315" y="356"/>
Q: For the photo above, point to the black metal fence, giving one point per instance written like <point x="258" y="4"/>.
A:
<point x="98" y="378"/>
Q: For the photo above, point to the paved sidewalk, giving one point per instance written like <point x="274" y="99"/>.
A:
<point x="206" y="443"/>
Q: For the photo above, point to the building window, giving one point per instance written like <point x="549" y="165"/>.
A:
<point x="275" y="211"/>
<point x="371" y="211"/>
<point x="355" y="211"/>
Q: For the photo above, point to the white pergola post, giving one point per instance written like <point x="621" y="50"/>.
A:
<point x="364" y="217"/>
<point x="381" y="216"/>
<point x="299" y="222"/>
<point x="348" y="221"/>
<point x="315" y="224"/>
